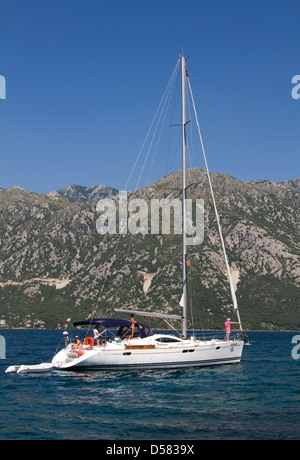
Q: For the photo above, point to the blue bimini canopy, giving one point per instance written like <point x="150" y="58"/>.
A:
<point x="114" y="323"/>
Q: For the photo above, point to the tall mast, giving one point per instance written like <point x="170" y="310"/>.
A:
<point x="184" y="216"/>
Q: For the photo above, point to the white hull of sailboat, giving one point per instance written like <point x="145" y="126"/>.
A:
<point x="194" y="354"/>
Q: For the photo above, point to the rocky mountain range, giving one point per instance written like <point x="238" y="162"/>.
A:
<point x="54" y="264"/>
<point x="90" y="194"/>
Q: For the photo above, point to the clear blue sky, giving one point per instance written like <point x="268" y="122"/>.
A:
<point x="84" y="79"/>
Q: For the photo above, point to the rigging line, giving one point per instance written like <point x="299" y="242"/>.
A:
<point x="190" y="289"/>
<point x="149" y="130"/>
<point x="190" y="144"/>
<point x="191" y="298"/>
<point x="233" y="296"/>
<point x="167" y="104"/>
<point x="164" y="102"/>
<point x="166" y="97"/>
<point x="106" y="275"/>
<point x="167" y="90"/>
<point x="150" y="146"/>
<point x="176" y="91"/>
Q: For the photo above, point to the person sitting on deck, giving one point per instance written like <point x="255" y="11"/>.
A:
<point x="77" y="341"/>
<point x="76" y="345"/>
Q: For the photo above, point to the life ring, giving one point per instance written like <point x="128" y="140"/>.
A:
<point x="89" y="342"/>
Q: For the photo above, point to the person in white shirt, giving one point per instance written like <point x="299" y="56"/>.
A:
<point x="96" y="335"/>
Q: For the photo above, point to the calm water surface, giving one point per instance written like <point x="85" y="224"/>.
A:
<point x="257" y="399"/>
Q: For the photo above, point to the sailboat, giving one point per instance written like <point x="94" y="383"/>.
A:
<point x="140" y="347"/>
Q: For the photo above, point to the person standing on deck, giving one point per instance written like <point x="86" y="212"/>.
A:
<point x="132" y="325"/>
<point x="228" y="324"/>
<point x="97" y="335"/>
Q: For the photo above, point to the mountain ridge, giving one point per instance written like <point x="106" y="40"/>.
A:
<point x="92" y="193"/>
<point x="48" y="238"/>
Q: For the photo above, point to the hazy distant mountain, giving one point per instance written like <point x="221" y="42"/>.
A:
<point x="54" y="264"/>
<point x="294" y="182"/>
<point x="90" y="194"/>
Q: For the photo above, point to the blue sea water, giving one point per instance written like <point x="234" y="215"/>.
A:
<point x="257" y="399"/>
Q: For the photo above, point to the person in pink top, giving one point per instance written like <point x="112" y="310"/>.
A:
<point x="228" y="323"/>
